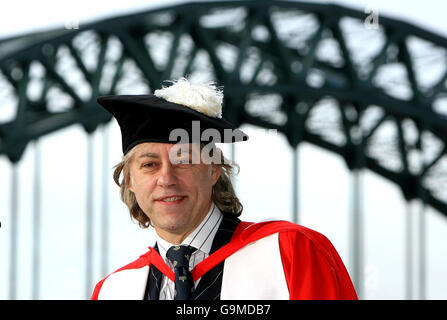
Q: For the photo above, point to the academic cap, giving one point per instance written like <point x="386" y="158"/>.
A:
<point x="153" y="117"/>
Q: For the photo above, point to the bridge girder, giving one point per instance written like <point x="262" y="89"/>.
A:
<point x="374" y="94"/>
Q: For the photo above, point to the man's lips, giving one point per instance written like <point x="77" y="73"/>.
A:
<point x="171" y="199"/>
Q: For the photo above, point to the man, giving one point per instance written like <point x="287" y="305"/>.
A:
<point x="183" y="190"/>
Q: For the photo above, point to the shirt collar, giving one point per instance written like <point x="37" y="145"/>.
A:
<point x="201" y="238"/>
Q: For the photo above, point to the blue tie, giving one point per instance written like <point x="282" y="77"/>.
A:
<point x="179" y="257"/>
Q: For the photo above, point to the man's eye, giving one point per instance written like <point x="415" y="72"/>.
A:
<point x="148" y="165"/>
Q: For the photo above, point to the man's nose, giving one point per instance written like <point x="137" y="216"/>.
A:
<point x="167" y="176"/>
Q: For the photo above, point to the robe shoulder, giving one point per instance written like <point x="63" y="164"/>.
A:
<point x="312" y="265"/>
<point x="291" y="234"/>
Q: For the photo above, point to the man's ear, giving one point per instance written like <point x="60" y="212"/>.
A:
<point x="216" y="170"/>
<point x="128" y="179"/>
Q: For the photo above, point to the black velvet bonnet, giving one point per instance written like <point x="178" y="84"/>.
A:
<point x="150" y="118"/>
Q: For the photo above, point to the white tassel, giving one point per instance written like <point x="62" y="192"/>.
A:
<point x="205" y="98"/>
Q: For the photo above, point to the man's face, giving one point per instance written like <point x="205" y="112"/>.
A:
<point x="176" y="197"/>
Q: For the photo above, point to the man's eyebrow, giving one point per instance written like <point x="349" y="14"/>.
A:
<point x="149" y="155"/>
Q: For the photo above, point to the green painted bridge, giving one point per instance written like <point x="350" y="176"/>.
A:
<point x="370" y="89"/>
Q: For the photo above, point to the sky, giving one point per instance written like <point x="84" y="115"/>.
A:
<point x="325" y="184"/>
<point x="23" y="16"/>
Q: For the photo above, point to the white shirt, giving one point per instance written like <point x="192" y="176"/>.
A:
<point x="201" y="238"/>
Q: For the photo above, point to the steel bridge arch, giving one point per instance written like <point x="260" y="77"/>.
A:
<point x="373" y="92"/>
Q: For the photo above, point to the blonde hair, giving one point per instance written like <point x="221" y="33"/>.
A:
<point x="223" y="193"/>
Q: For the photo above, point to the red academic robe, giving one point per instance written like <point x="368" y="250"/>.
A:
<point x="263" y="261"/>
